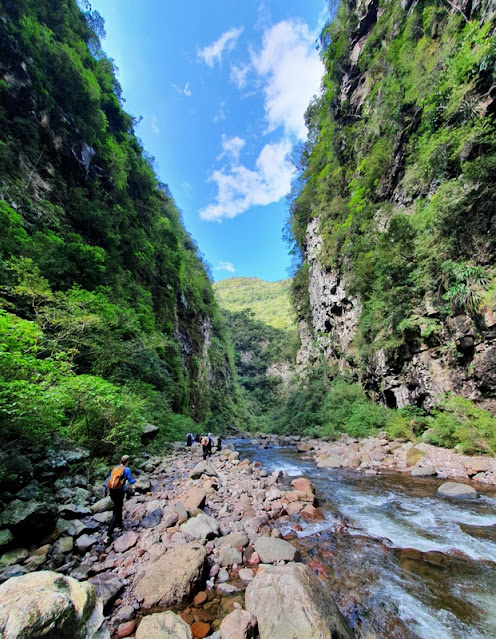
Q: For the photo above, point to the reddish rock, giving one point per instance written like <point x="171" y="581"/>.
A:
<point x="126" y="541"/>
<point x="310" y="513"/>
<point x="254" y="559"/>
<point x="126" y="629"/>
<point x="200" y="598"/>
<point x="200" y="629"/>
<point x="303" y="484"/>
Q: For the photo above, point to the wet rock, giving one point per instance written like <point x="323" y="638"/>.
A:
<point x="303" y="484"/>
<point x="171" y="578"/>
<point x="423" y="471"/>
<point x="200" y="598"/>
<point x="126" y="541"/>
<point x="455" y="490"/>
<point x="310" y="513"/>
<point x="153" y="519"/>
<point x="163" y="625"/>
<point x="29" y="520"/>
<point x="330" y="462"/>
<point x="201" y="527"/>
<point x="290" y="601"/>
<point x="239" y="624"/>
<point x="108" y="586"/>
<point x="200" y="629"/>
<point x="125" y="629"/>
<point x="46" y="604"/>
<point x="271" y="550"/>
<point x="304" y="447"/>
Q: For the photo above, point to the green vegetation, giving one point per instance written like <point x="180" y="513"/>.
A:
<point x="270" y="302"/>
<point x="106" y="304"/>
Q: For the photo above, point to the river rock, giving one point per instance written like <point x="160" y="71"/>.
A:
<point x="476" y="465"/>
<point x="6" y="538"/>
<point x="457" y="491"/>
<point x="73" y="511"/>
<point x="414" y="455"/>
<point x="103" y="518"/>
<point x="330" y="462"/>
<point x="163" y="625"/>
<point x="423" y="471"/>
<point x="47" y="604"/>
<point x="152" y="519"/>
<point x="14" y="556"/>
<point x="193" y="498"/>
<point x="229" y="556"/>
<point x="103" y="505"/>
<point x="290" y="601"/>
<point x="171" y="578"/>
<point x="63" y="546"/>
<point x="126" y="541"/>
<point x="201" y="527"/>
<point x="304" y="447"/>
<point x="142" y="484"/>
<point x="29" y="520"/>
<point x="271" y="550"/>
<point x="239" y="624"/>
<point x="85" y="542"/>
<point x="108" y="586"/>
<point x="303" y="484"/>
<point x="233" y="540"/>
<point x="203" y="468"/>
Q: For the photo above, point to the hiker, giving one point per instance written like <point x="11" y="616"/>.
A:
<point x="189" y="439"/>
<point x="219" y="444"/>
<point x="210" y="444"/>
<point x="115" y="486"/>
<point x="198" y="438"/>
<point x="205" y="442"/>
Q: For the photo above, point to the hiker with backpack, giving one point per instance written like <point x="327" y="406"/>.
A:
<point x="205" y="441"/>
<point x="115" y="486"/>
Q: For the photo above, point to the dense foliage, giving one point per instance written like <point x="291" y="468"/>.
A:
<point x="399" y="172"/>
<point x="262" y="325"/>
<point x="109" y="319"/>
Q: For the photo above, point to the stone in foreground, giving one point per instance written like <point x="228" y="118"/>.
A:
<point x="238" y="624"/>
<point x="46" y="604"/>
<point x="290" y="602"/>
<point x="172" y="577"/>
<point x="457" y="491"/>
<point x="163" y="625"/>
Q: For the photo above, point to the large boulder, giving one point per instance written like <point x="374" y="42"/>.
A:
<point x="201" y="527"/>
<point x="192" y="498"/>
<point x="290" y="601"/>
<point x="457" y="491"/>
<point x="31" y="520"/>
<point x="46" y="604"/>
<point x="16" y="470"/>
<point x="414" y="455"/>
<point x="163" y="625"/>
<point x="270" y="550"/>
<point x="148" y="433"/>
<point x="108" y="586"/>
<point x="172" y="577"/>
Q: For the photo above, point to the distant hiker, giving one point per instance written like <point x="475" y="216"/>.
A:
<point x="210" y="444"/>
<point x="205" y="442"/>
<point x="219" y="443"/>
<point x="198" y="438"/>
<point x="189" y="439"/>
<point x="115" y="486"/>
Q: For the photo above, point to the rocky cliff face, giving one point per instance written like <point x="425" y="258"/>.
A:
<point x="443" y="349"/>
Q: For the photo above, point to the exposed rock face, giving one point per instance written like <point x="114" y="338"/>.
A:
<point x="46" y="604"/>
<point x="171" y="578"/>
<point x="290" y="601"/>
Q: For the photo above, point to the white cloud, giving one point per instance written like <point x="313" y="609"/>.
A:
<point x="221" y="114"/>
<point x="225" y="266"/>
<point x="231" y="147"/>
<point x="155" y="127"/>
<point x="292" y="71"/>
<point x="185" y="91"/>
<point x="238" y="75"/>
<point x="212" y="53"/>
<point x="240" y="188"/>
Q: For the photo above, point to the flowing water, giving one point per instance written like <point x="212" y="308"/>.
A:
<point x="400" y="561"/>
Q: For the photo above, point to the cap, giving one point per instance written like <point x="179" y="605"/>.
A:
<point x="124" y="458"/>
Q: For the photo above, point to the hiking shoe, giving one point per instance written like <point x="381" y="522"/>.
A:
<point x="107" y="539"/>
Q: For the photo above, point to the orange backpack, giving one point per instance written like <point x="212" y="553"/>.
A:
<point x="116" y="480"/>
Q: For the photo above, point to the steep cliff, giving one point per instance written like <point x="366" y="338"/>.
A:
<point x="394" y="213"/>
<point x="107" y="315"/>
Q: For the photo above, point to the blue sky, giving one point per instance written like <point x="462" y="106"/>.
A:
<point x="221" y="86"/>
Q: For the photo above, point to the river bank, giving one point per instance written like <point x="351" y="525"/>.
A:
<point x="198" y="534"/>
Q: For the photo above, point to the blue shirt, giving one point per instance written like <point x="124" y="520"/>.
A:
<point x="127" y="477"/>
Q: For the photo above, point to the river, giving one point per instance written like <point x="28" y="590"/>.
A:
<point x="401" y="562"/>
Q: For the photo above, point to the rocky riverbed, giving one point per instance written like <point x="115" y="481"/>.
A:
<point x="201" y="552"/>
